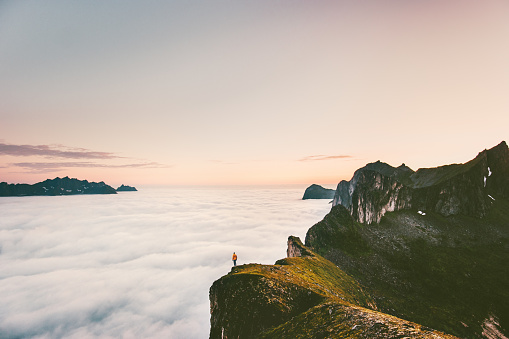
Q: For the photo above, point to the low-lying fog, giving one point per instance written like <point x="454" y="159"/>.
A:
<point x="136" y="264"/>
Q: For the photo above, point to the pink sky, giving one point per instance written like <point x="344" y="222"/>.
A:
<point x="247" y="92"/>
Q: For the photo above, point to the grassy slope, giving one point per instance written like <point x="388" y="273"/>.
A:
<point x="300" y="297"/>
<point x="446" y="273"/>
<point x="336" y="320"/>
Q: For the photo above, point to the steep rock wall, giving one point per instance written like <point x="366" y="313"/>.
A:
<point x="498" y="176"/>
<point x="377" y="194"/>
<point x="467" y="189"/>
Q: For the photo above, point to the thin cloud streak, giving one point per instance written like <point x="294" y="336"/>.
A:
<point x="326" y="157"/>
<point x="55" y="151"/>
<point x="47" y="167"/>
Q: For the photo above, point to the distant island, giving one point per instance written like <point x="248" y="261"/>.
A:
<point x="318" y="192"/>
<point x="57" y="186"/>
<point x="126" y="188"/>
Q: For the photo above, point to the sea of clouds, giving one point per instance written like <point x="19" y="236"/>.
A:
<point x="136" y="264"/>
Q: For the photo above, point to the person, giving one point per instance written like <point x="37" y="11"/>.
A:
<point x="234" y="258"/>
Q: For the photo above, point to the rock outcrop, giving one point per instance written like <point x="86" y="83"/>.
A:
<point x="57" y="186"/>
<point x="300" y="297"/>
<point x="126" y="188"/>
<point x="295" y="248"/>
<point x="318" y="192"/>
<point x="466" y="189"/>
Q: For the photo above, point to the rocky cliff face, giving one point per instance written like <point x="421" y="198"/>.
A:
<point x="318" y="192"/>
<point x="295" y="248"/>
<point x="376" y="194"/>
<point x="497" y="180"/>
<point x="467" y="189"/>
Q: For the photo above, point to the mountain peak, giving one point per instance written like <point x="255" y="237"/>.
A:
<point x="502" y="144"/>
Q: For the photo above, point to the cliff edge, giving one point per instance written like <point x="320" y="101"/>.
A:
<point x="301" y="296"/>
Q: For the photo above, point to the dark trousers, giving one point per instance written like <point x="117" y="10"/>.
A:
<point x="234" y="262"/>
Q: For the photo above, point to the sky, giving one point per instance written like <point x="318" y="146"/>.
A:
<point x="247" y="92"/>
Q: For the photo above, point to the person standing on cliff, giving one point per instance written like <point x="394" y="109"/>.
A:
<point x="234" y="258"/>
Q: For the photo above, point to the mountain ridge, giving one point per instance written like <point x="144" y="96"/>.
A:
<point x="454" y="189"/>
<point x="57" y="186"/>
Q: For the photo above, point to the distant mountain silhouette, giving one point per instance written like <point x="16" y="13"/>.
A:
<point x="126" y="188"/>
<point x="318" y="192"/>
<point x="57" y="186"/>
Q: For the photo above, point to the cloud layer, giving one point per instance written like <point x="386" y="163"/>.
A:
<point x="135" y="264"/>
<point x="48" y="167"/>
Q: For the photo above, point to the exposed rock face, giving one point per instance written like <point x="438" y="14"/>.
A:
<point x="375" y="194"/>
<point x="318" y="192"/>
<point x="300" y="297"/>
<point x="295" y="248"/>
<point x="465" y="189"/>
<point x="125" y="188"/>
<point x="57" y="186"/>
<point x="345" y="189"/>
<point x="497" y="181"/>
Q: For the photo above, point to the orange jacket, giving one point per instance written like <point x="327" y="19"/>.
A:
<point x="234" y="257"/>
